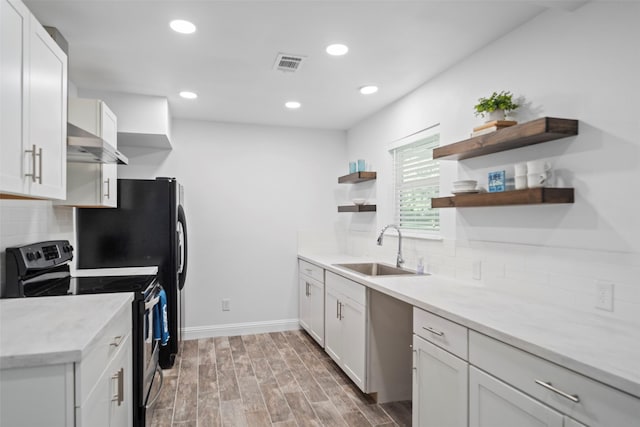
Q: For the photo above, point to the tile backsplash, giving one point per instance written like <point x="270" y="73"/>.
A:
<point x="565" y="277"/>
<point x="28" y="221"/>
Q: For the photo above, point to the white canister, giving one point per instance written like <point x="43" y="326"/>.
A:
<point x="520" y="169"/>
<point x="538" y="166"/>
<point x="521" y="182"/>
<point x="535" y="180"/>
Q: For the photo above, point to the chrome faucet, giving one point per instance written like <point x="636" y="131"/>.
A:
<point x="399" y="260"/>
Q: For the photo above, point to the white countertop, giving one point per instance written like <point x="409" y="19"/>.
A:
<point x="53" y="330"/>
<point x="593" y="345"/>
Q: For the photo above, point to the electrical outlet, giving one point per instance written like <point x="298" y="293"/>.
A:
<point x="476" y="272"/>
<point x="604" y="295"/>
<point x="226" y="304"/>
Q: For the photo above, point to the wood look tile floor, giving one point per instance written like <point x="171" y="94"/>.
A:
<point x="278" y="379"/>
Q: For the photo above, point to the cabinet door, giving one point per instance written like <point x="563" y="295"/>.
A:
<point x="14" y="33"/>
<point x="494" y="403"/>
<point x="110" y="402"/>
<point x="316" y="311"/>
<point x="332" y="325"/>
<point x="109" y="185"/>
<point x="439" y="387"/>
<point x="304" y="301"/>
<point x="47" y="114"/>
<point x="353" y="319"/>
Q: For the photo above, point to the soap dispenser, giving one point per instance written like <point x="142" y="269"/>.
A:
<point x="420" y="266"/>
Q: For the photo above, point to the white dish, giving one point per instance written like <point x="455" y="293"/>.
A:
<point x="465" y="183"/>
<point x="359" y="202"/>
<point x="465" y="191"/>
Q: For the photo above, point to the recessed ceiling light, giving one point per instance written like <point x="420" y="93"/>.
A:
<point x="292" y="105"/>
<point x="188" y="95"/>
<point x="337" y="49"/>
<point x="368" y="90"/>
<point x="182" y="26"/>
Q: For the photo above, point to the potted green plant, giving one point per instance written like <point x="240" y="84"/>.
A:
<point x="496" y="106"/>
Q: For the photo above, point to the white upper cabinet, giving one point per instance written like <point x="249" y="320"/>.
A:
<point x="93" y="184"/>
<point x="33" y="107"/>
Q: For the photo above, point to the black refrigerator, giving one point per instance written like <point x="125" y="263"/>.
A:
<point x="148" y="228"/>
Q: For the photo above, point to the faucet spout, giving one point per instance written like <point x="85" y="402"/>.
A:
<point x="399" y="259"/>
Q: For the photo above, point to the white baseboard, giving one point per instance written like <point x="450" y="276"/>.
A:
<point x="232" y="329"/>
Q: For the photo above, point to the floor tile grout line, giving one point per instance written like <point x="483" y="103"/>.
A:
<point x="175" y="393"/>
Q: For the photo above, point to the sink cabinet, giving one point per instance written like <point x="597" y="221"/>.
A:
<point x="368" y="334"/>
<point x="33" y="107"/>
<point x="346" y="326"/>
<point x="311" y="300"/>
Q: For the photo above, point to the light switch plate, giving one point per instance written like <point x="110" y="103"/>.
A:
<point x="226" y="304"/>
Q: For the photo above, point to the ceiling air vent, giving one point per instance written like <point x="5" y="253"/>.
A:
<point x="288" y="62"/>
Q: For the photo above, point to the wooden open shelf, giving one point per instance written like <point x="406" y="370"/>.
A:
<point x="356" y="177"/>
<point x="533" y="132"/>
<point x="357" y="208"/>
<point x="530" y="196"/>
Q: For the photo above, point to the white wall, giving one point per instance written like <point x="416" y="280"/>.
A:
<point x="582" y="64"/>
<point x="249" y="191"/>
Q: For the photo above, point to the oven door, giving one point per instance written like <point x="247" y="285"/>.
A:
<point x="151" y="374"/>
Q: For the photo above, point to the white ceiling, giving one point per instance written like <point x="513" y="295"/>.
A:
<point x="127" y="46"/>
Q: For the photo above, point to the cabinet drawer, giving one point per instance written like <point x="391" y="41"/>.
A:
<point x="348" y="288"/>
<point x="597" y="405"/>
<point x="311" y="270"/>
<point x="441" y="332"/>
<point x="112" y="338"/>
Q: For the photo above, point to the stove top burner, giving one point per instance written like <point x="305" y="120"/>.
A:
<point x="87" y="285"/>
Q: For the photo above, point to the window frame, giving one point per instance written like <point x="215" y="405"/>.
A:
<point x="402" y="142"/>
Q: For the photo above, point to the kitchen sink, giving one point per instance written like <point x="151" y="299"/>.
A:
<point x="375" y="269"/>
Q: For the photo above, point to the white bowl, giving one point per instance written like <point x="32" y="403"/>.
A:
<point x="468" y="183"/>
<point x="359" y="201"/>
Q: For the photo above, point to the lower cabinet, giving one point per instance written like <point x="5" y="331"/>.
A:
<point x="311" y="300"/>
<point x="94" y="392"/>
<point x="346" y="326"/>
<point x="440" y="371"/>
<point x="439" y="386"/>
<point x="494" y="403"/>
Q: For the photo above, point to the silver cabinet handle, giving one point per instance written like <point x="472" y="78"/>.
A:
<point x="415" y="353"/>
<point x="108" y="182"/>
<point x="337" y="309"/>
<point x="119" y="377"/>
<point x="33" y="163"/>
<point x="308" y="289"/>
<point x="116" y="341"/>
<point x="40" y="167"/>
<point x="572" y="397"/>
<point x="308" y="270"/>
<point x="433" y="331"/>
<point x="340" y="316"/>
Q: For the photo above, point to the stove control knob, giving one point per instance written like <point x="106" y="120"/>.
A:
<point x="38" y="255"/>
<point x="31" y="256"/>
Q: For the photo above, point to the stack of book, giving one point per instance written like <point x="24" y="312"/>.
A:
<point x="492" y="126"/>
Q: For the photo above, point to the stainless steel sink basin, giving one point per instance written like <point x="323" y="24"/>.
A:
<point x="375" y="269"/>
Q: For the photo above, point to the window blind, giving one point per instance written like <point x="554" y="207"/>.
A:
<point x="417" y="180"/>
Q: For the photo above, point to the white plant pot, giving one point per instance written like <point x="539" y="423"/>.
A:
<point x="496" y="115"/>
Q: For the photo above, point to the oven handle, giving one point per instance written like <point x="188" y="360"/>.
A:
<point x="150" y="404"/>
<point x="148" y="309"/>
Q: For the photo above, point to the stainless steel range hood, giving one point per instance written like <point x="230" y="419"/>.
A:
<point x="85" y="147"/>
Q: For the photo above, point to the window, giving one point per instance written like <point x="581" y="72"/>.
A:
<point x="417" y="180"/>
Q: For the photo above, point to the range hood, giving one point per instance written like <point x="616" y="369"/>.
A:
<point x="85" y="147"/>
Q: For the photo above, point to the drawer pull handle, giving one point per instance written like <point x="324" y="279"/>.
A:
<point x="116" y="341"/>
<point x="572" y="397"/>
<point x="119" y="377"/>
<point x="433" y="331"/>
<point x="308" y="270"/>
